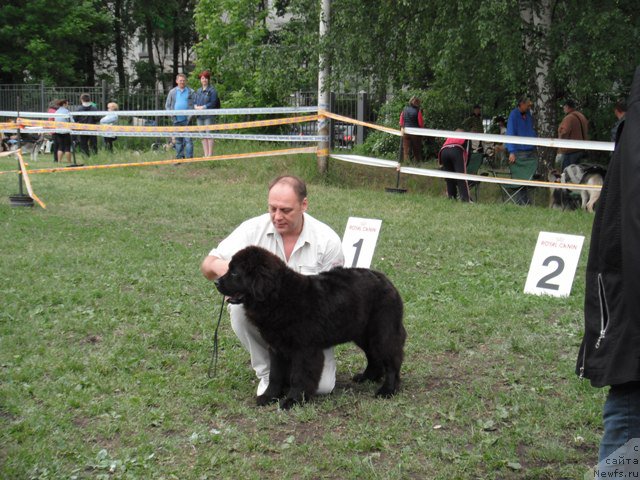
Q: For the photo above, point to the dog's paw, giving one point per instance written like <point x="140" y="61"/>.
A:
<point x="263" y="400"/>
<point x="366" y="377"/>
<point x="359" y="378"/>
<point x="288" y="403"/>
<point x="385" y="392"/>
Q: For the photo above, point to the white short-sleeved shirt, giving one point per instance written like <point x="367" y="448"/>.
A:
<point x="317" y="249"/>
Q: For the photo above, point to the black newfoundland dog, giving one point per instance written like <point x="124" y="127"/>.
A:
<point x="299" y="316"/>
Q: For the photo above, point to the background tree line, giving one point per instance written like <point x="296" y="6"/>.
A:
<point x="454" y="54"/>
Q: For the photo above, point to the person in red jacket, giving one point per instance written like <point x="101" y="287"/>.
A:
<point x="453" y="157"/>
<point x="411" y="116"/>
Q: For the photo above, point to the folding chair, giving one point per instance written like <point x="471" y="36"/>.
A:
<point x="522" y="169"/>
<point x="475" y="160"/>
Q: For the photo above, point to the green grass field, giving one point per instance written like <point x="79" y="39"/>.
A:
<point x="106" y="328"/>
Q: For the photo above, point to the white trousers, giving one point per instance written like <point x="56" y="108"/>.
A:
<point x="250" y="337"/>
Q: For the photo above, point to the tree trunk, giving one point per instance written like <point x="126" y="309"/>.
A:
<point x="176" y="50"/>
<point x="149" y="31"/>
<point x="537" y="16"/>
<point x="119" y="42"/>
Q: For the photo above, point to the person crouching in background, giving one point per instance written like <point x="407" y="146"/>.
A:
<point x="453" y="158"/>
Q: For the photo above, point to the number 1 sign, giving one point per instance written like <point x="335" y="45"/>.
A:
<point x="359" y="241"/>
<point x="554" y="264"/>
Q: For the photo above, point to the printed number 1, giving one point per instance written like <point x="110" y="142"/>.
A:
<point x="358" y="246"/>
<point x="543" y="282"/>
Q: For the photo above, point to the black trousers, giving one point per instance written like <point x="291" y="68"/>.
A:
<point x="88" y="144"/>
<point x="452" y="159"/>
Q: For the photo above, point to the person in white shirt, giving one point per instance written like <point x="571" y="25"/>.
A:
<point x="304" y="243"/>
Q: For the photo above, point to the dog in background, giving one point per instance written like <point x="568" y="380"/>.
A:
<point x="29" y="143"/>
<point x="582" y="174"/>
<point x="299" y="316"/>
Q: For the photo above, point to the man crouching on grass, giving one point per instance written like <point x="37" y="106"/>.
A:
<point x="305" y="244"/>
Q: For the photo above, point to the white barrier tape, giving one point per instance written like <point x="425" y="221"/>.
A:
<point x="375" y="162"/>
<point x="221" y="136"/>
<point x="488" y="137"/>
<point x="424" y="172"/>
<point x="165" y="113"/>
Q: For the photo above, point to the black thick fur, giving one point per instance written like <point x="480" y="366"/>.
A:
<point x="301" y="315"/>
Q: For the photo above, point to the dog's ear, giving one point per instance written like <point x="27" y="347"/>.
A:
<point x="263" y="284"/>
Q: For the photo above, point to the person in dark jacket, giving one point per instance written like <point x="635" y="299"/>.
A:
<point x="206" y="98"/>
<point x="610" y="350"/>
<point x="88" y="143"/>
<point x="411" y="117"/>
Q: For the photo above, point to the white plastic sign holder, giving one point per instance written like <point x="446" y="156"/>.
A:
<point x="359" y="241"/>
<point x="554" y="263"/>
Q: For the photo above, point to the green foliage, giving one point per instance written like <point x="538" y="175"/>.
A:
<point x="48" y="40"/>
<point x="245" y="55"/>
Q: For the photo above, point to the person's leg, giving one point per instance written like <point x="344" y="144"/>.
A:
<point x="571" y="158"/>
<point x="84" y="144"/>
<point x="179" y="140"/>
<point x="188" y="141"/>
<point x="258" y="350"/>
<point x="447" y="159"/>
<point x="460" y="166"/>
<point x="93" y="144"/>
<point x="621" y="417"/>
<point x="406" y="146"/>
<point x="416" y="145"/>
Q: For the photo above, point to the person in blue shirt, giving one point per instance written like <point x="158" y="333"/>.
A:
<point x="181" y="98"/>
<point x="520" y="124"/>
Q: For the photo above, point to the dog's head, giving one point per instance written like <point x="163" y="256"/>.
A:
<point x="554" y="176"/>
<point x="572" y="174"/>
<point x="254" y="276"/>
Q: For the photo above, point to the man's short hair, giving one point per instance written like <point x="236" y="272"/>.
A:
<point x="569" y="103"/>
<point x="524" y="99"/>
<point x="181" y="75"/>
<point x="298" y="185"/>
<point x="621" y="105"/>
<point x="85" y="97"/>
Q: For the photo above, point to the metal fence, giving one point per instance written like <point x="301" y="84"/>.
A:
<point x="353" y="105"/>
<point x="38" y="97"/>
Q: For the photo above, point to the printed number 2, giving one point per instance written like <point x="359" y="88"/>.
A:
<point x="358" y="246"/>
<point x="543" y="282"/>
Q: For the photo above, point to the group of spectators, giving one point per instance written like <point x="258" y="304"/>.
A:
<point x="180" y="97"/>
<point x="455" y="153"/>
<point x="183" y="97"/>
<point x="61" y="144"/>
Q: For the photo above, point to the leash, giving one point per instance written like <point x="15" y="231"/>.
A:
<point x="213" y="364"/>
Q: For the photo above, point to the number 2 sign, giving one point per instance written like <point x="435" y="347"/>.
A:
<point x="359" y="241"/>
<point x="554" y="264"/>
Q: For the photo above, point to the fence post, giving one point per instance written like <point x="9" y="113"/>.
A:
<point x="104" y="94"/>
<point x="42" y="99"/>
<point x="362" y="115"/>
<point x="332" y="109"/>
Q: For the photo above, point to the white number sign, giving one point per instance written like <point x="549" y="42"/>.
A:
<point x="359" y="241"/>
<point x="554" y="264"/>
